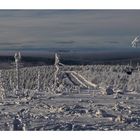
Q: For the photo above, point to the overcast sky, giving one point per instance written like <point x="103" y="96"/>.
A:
<point x="68" y="28"/>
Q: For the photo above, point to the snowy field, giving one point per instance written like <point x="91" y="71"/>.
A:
<point x="92" y="97"/>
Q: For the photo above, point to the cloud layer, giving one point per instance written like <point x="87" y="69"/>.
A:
<point x="68" y="28"/>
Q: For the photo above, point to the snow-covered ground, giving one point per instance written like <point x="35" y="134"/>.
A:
<point x="92" y="97"/>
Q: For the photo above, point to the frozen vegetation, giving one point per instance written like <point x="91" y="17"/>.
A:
<point x="101" y="75"/>
<point x="91" y="97"/>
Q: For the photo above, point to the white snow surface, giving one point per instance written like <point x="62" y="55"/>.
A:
<point x="79" y="102"/>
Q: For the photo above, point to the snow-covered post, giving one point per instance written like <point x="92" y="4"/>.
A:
<point x="56" y="64"/>
<point x="2" y="90"/>
<point x="38" y="81"/>
<point x="138" y="66"/>
<point x="10" y="82"/>
<point x="135" y="42"/>
<point x="17" y="60"/>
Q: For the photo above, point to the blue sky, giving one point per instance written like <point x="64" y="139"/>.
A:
<point x="68" y="28"/>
